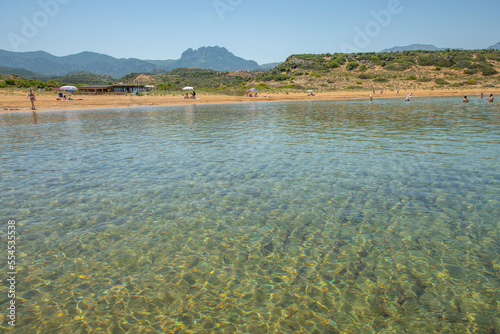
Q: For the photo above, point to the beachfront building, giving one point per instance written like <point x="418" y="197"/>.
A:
<point x="113" y="89"/>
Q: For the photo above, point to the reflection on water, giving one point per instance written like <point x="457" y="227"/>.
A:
<point x="313" y="217"/>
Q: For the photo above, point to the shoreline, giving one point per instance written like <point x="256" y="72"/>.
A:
<point x="17" y="101"/>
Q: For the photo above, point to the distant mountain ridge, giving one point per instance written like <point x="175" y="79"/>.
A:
<point x="213" y="58"/>
<point x="428" y="47"/>
<point x="414" y="47"/>
<point x="43" y="63"/>
<point x="495" y="46"/>
<point x="46" y="64"/>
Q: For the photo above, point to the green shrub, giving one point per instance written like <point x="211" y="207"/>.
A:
<point x="489" y="71"/>
<point x="263" y="86"/>
<point x="281" y="77"/>
<point x="424" y="79"/>
<point x="363" y="68"/>
<point x="10" y="82"/>
<point x="398" y="66"/>
<point x="481" y="58"/>
<point x="334" y="64"/>
<point x="365" y="76"/>
<point x="340" y="60"/>
<point x="381" y="80"/>
<point x="425" y="60"/>
<point x="434" y="59"/>
<point x="471" y="71"/>
<point x="352" y="65"/>
<point x="462" y="64"/>
<point x="440" y="81"/>
<point x="493" y="56"/>
<point x="411" y="77"/>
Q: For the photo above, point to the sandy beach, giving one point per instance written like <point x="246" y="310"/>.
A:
<point x="12" y="101"/>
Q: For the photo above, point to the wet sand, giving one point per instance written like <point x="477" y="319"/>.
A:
<point x="11" y="101"/>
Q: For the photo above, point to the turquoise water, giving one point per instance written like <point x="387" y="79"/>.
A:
<point x="303" y="217"/>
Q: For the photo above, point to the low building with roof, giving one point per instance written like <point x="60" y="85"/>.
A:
<point x="113" y="89"/>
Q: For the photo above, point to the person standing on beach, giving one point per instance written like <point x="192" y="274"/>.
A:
<point x="490" y="100"/>
<point x="32" y="98"/>
<point x="194" y="94"/>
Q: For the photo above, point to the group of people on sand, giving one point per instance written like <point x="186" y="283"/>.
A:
<point x="250" y="93"/>
<point x="193" y="95"/>
<point x="490" y="99"/>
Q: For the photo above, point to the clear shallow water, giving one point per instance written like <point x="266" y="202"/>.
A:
<point x="320" y="217"/>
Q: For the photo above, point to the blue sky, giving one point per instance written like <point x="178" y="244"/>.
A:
<point x="264" y="31"/>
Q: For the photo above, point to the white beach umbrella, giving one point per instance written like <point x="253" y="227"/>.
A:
<point x="310" y="91"/>
<point x="188" y="88"/>
<point x="70" y="88"/>
<point x="253" y="90"/>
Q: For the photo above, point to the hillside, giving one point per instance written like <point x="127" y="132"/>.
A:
<point x="395" y="70"/>
<point x="20" y="72"/>
<point x="449" y="69"/>
<point x="45" y="64"/>
<point x="83" y="78"/>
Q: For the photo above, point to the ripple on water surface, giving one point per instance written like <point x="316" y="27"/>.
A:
<point x="321" y="217"/>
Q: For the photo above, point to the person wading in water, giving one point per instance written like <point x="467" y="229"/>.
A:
<point x="32" y="98"/>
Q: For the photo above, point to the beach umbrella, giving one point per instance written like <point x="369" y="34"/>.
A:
<point x="310" y="91"/>
<point x="67" y="87"/>
<point x="70" y="88"/>
<point x="188" y="88"/>
<point x="253" y="90"/>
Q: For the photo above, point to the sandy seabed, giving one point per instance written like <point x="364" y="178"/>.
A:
<point x="11" y="101"/>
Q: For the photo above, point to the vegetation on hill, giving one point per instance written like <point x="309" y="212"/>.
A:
<point x="207" y="79"/>
<point x="328" y="72"/>
<point x="405" y="70"/>
<point x="85" y="78"/>
<point x="77" y="78"/>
